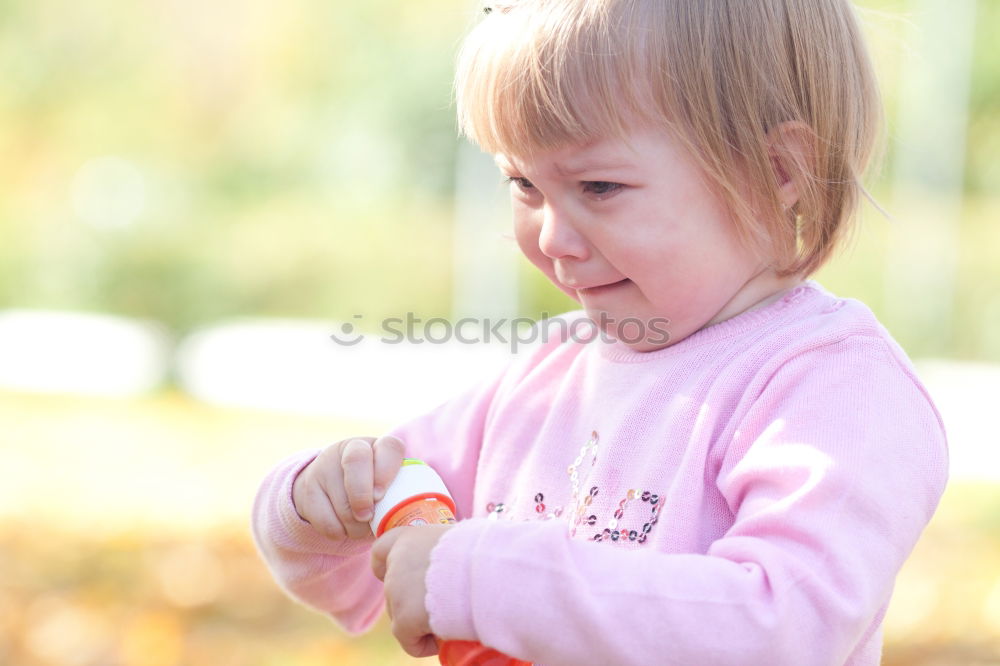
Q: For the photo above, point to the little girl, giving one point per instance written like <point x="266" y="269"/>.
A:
<point x="734" y="465"/>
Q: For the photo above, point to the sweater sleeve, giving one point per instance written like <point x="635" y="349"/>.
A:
<point x="335" y="577"/>
<point x="324" y="574"/>
<point x="835" y="469"/>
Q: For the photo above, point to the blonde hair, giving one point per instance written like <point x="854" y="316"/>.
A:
<point x="720" y="75"/>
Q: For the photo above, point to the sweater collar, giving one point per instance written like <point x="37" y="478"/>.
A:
<point x="748" y="320"/>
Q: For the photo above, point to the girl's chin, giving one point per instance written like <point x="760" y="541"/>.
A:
<point x="640" y="333"/>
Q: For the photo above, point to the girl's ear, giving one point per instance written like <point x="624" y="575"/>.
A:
<point x="789" y="147"/>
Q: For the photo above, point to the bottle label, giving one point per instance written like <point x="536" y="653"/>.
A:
<point x="426" y="511"/>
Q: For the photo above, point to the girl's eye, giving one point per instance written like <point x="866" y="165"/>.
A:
<point x="602" y="187"/>
<point x="523" y="183"/>
<point x="599" y="188"/>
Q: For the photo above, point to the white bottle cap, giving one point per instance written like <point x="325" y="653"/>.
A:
<point x="414" y="478"/>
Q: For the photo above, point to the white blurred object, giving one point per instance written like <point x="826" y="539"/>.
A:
<point x="965" y="394"/>
<point x="294" y="365"/>
<point x="80" y="352"/>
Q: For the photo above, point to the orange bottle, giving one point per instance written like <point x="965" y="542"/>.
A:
<point x="418" y="496"/>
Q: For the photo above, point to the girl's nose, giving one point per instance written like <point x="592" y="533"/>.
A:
<point x="558" y="238"/>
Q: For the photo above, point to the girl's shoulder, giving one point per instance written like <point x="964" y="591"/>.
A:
<point x="839" y="340"/>
<point x="825" y="320"/>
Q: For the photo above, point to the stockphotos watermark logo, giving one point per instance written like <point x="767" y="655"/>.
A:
<point x="515" y="332"/>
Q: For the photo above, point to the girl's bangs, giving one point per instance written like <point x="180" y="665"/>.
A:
<point x="536" y="81"/>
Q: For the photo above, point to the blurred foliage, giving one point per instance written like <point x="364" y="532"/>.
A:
<point x="146" y="600"/>
<point x="186" y="162"/>
<point x="275" y="154"/>
<point x="115" y="576"/>
<point x="983" y="143"/>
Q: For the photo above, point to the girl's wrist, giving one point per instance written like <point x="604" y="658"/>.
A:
<point x="448" y="599"/>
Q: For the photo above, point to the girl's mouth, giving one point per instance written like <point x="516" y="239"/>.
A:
<point x="605" y="287"/>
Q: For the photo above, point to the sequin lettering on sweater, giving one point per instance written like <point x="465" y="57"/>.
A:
<point x="583" y="511"/>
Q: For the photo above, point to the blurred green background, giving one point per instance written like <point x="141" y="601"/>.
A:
<point x="187" y="163"/>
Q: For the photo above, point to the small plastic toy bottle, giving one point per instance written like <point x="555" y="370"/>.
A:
<point x="418" y="496"/>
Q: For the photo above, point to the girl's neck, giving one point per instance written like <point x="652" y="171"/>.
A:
<point x="759" y="291"/>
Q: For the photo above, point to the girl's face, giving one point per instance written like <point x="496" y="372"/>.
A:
<point x="631" y="231"/>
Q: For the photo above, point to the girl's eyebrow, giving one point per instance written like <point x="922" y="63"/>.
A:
<point x="570" y="169"/>
<point x="584" y="167"/>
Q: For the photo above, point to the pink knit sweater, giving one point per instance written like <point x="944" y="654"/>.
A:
<point x="745" y="496"/>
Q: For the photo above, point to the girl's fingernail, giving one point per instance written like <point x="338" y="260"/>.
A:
<point x="364" y="516"/>
<point x="378" y="493"/>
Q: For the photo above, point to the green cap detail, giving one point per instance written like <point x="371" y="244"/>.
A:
<point x="412" y="461"/>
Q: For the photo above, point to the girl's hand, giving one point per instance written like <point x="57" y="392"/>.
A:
<point x="337" y="491"/>
<point x="400" y="559"/>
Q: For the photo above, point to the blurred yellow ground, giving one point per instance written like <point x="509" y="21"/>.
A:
<point x="124" y="540"/>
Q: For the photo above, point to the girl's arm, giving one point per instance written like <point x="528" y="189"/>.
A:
<point x="327" y="575"/>
<point x="834" y="472"/>
<point x="335" y="577"/>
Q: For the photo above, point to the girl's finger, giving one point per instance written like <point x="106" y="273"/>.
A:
<point x="425" y="646"/>
<point x="357" y="462"/>
<point x="343" y="512"/>
<point x="311" y="499"/>
<point x="380" y="551"/>
<point x="389" y="452"/>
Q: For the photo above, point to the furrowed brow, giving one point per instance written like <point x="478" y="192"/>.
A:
<point x="584" y="167"/>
